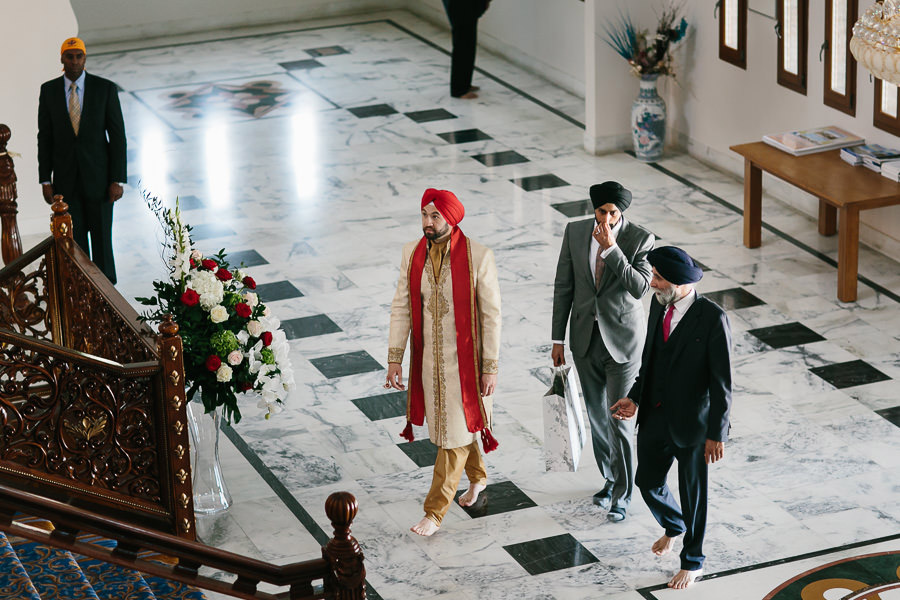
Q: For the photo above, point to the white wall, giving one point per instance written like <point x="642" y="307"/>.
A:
<point x="108" y="21"/>
<point x="719" y="105"/>
<point x="36" y="61"/>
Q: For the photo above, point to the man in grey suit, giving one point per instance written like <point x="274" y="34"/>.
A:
<point x="601" y="276"/>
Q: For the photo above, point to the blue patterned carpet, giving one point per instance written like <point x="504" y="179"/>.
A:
<point x="31" y="571"/>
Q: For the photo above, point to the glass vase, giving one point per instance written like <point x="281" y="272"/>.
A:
<point x="648" y="121"/>
<point x="210" y="492"/>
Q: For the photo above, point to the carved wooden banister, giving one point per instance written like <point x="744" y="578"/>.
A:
<point x="10" y="241"/>
<point x="342" y="576"/>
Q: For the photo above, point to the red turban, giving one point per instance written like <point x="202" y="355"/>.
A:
<point x="447" y="204"/>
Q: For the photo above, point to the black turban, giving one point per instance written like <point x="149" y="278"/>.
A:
<point x="610" y="192"/>
<point x="674" y="265"/>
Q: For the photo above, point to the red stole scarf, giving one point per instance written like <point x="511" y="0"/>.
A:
<point x="466" y="338"/>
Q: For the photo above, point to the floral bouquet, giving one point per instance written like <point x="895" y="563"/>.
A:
<point x="649" y="55"/>
<point x="232" y="342"/>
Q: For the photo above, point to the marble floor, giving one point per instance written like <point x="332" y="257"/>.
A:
<point x="304" y="153"/>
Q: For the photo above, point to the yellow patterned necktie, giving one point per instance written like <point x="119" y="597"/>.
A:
<point x="74" y="107"/>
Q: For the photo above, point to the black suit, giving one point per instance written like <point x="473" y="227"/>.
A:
<point x="684" y="394"/>
<point x="81" y="167"/>
<point x="463" y="16"/>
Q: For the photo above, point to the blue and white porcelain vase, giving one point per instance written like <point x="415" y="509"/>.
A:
<point x="648" y="121"/>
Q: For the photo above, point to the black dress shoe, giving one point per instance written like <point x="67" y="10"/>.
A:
<point x="616" y="514"/>
<point x="603" y="498"/>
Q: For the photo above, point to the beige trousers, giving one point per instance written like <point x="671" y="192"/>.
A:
<point x="448" y="469"/>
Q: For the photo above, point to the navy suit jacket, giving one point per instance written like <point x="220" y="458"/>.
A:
<point x="697" y="384"/>
<point x="97" y="155"/>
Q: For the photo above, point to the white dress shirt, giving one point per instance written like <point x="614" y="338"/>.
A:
<point x="681" y="307"/>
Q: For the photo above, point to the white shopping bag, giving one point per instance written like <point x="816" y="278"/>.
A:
<point x="564" y="432"/>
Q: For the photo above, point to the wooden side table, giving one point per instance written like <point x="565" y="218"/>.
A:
<point x="842" y="189"/>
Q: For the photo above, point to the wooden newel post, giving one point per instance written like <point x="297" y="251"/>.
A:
<point x="347" y="579"/>
<point x="61" y="221"/>
<point x="170" y="350"/>
<point x="11" y="242"/>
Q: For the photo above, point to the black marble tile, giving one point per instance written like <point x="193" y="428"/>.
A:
<point x="575" y="208"/>
<point x="375" y="110"/>
<point x="326" y="51"/>
<point x="421" y="452"/>
<point x="277" y="290"/>
<point x="734" y="298"/>
<point x="190" y="203"/>
<point x="502" y="497"/>
<point x="891" y="414"/>
<point x="849" y="374"/>
<point x="464" y="136"/>
<point x="301" y="65"/>
<point x="341" y="365"/>
<point x="246" y="258"/>
<point x="539" y="182"/>
<point x="305" y="327"/>
<point x="789" y="334"/>
<point x="550" y="554"/>
<point x="426" y="116"/>
<point x="382" y="406"/>
<point x="498" y="159"/>
<point x="205" y="231"/>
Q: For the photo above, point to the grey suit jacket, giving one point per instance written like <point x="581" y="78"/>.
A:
<point x="616" y="303"/>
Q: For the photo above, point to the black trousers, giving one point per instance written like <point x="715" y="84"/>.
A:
<point x="656" y="451"/>
<point x="463" y="15"/>
<point x="93" y="217"/>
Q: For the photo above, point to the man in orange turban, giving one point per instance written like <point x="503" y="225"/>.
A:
<point x="448" y="303"/>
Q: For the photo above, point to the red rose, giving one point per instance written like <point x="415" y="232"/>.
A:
<point x="193" y="264"/>
<point x="209" y="263"/>
<point x="213" y="362"/>
<point x="246" y="386"/>
<point x="190" y="297"/>
<point x="223" y="275"/>
<point x="243" y="309"/>
<point x="266" y="338"/>
<point x="248" y="281"/>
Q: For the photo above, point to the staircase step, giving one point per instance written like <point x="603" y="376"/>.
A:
<point x="112" y="582"/>
<point x="14" y="581"/>
<point x="54" y="572"/>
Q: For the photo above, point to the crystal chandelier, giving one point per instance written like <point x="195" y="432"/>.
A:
<point x="876" y="40"/>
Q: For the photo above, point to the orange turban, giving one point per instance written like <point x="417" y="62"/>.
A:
<point x="72" y="44"/>
<point x="447" y="204"/>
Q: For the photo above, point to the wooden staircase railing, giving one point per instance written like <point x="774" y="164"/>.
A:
<point x="10" y="242"/>
<point x="338" y="575"/>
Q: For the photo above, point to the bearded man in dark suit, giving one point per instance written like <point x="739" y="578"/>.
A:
<point x="82" y="151"/>
<point x="684" y="393"/>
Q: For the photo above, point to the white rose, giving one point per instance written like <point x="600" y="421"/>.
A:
<point x="223" y="374"/>
<point x="266" y="312"/>
<point x="235" y="357"/>
<point x="196" y="255"/>
<point x="254" y="328"/>
<point x="251" y="299"/>
<point x="217" y="313"/>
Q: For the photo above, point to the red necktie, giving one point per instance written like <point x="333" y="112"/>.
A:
<point x="667" y="322"/>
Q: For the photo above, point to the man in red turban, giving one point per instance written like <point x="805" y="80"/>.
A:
<point x="448" y="303"/>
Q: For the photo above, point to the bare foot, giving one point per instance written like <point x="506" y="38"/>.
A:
<point x="425" y="527"/>
<point x="469" y="95"/>
<point x="663" y="545"/>
<point x="471" y="495"/>
<point x="683" y="578"/>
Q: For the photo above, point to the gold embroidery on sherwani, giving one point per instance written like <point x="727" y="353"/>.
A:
<point x="395" y="355"/>
<point x="489" y="366"/>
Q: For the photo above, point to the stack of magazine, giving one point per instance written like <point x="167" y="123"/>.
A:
<point x="891" y="170"/>
<point x="872" y="156"/>
<point x="808" y="141"/>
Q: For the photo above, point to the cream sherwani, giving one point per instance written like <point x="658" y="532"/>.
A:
<point x="440" y="366"/>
